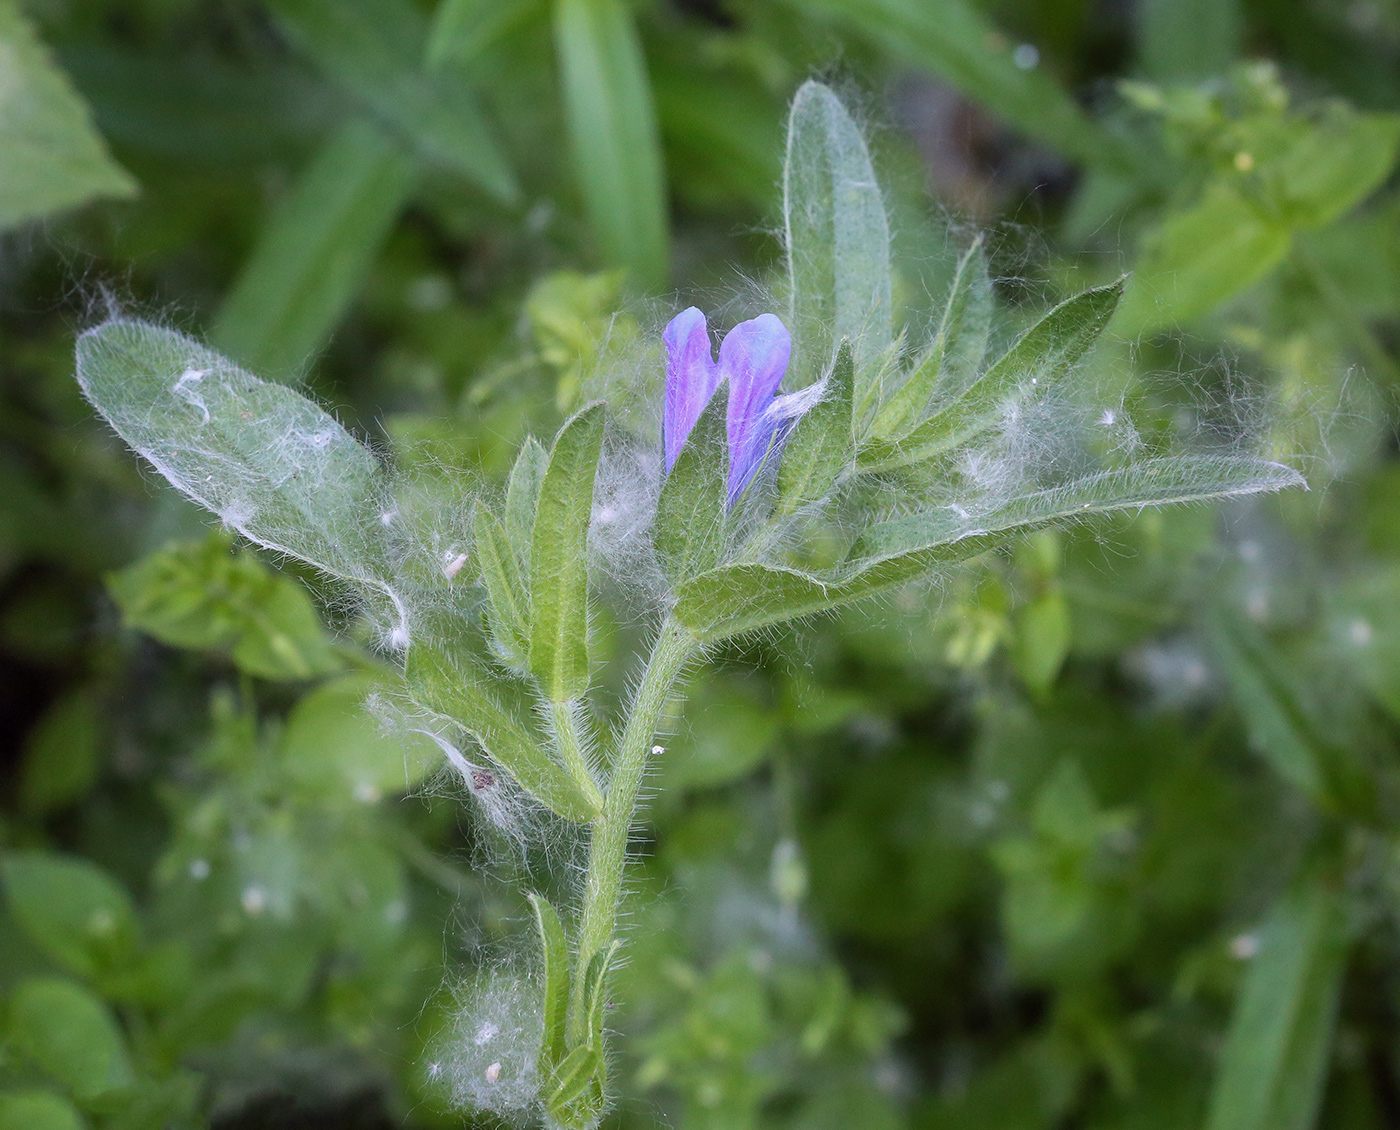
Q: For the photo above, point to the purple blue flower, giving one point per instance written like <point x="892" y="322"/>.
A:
<point x="752" y="360"/>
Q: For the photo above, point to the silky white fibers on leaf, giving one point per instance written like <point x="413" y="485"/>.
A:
<point x="489" y="1058"/>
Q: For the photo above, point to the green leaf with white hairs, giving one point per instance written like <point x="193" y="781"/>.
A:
<point x="509" y="601"/>
<point x="311" y="257"/>
<point x="523" y="496"/>
<point x="611" y="120"/>
<point x="571" y="1082"/>
<point x="1039" y="358"/>
<point x="740" y="598"/>
<point x="54" y="158"/>
<point x="691" y="517"/>
<point x="1276" y="1057"/>
<point x="554" y="948"/>
<point x="559" y="558"/>
<point x="953" y="360"/>
<point x="821" y="447"/>
<point x="373" y="49"/>
<point x="837" y="237"/>
<point x="268" y="461"/>
<point x="464" y="692"/>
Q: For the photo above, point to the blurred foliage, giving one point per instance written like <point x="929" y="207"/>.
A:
<point x="1102" y="835"/>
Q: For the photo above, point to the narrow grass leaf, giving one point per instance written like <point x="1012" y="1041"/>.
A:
<point x="373" y="49"/>
<point x="1275" y="1062"/>
<point x="54" y="158"/>
<point x="462" y="692"/>
<point x="837" y="237"/>
<point x="612" y="125"/>
<point x="691" y="514"/>
<point x="559" y="558"/>
<point x="311" y="258"/>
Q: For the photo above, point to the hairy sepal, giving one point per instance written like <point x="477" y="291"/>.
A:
<point x="268" y="461"/>
<point x="559" y="558"/>
<point x="954" y="358"/>
<point x="740" y="598"/>
<point x="463" y="692"/>
<point x="837" y="237"/>
<point x="1038" y="359"/>
<point x="821" y="448"/>
<point x="690" y="528"/>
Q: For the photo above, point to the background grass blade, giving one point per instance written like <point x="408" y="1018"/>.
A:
<point x="612" y="127"/>
<point x="310" y="259"/>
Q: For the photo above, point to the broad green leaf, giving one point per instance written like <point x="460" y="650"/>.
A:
<point x="554" y="946"/>
<point x="463" y="29"/>
<point x="264" y="458"/>
<point x="201" y="595"/>
<point x="465" y="695"/>
<point x="374" y="50"/>
<point x="38" y="1110"/>
<point x="569" y="1083"/>
<point x="336" y="750"/>
<point x="959" y="44"/>
<point x="315" y="250"/>
<point x="837" y="237"/>
<point x="509" y="608"/>
<point x="691" y="518"/>
<point x="1278" y="726"/>
<point x="523" y="496"/>
<point x="70" y="1035"/>
<point x="612" y="126"/>
<point x="74" y="911"/>
<point x="53" y="157"/>
<point x="1276" y="1057"/>
<point x="1199" y="258"/>
<point x="952" y="362"/>
<point x="1041" y="356"/>
<point x="739" y="598"/>
<point x="559" y="558"/>
<point x="821" y="447"/>
<point x="62" y="753"/>
<point x="1188" y="40"/>
<point x="1336" y="163"/>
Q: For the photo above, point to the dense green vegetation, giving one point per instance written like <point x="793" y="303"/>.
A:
<point x="1100" y="830"/>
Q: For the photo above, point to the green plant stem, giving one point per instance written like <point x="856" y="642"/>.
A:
<point x="607" y="853"/>
<point x="565" y="721"/>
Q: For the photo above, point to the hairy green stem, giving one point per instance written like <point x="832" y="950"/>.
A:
<point x="607" y="854"/>
<point x="565" y="720"/>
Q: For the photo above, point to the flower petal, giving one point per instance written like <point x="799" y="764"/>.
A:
<point x="691" y="378"/>
<point x="753" y="358"/>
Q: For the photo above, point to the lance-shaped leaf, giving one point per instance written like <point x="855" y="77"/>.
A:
<point x="522" y="496"/>
<point x="264" y="458"/>
<point x="951" y="364"/>
<point x="316" y="248"/>
<point x="1275" y="1060"/>
<point x="571" y="1082"/>
<point x="509" y="610"/>
<point x="1041" y="356"/>
<point x="821" y="446"/>
<point x="690" y="514"/>
<point x="837" y="236"/>
<point x="373" y="49"/>
<point x="740" y="598"/>
<point x="559" y="558"/>
<point x="554" y="947"/>
<point x="464" y="693"/>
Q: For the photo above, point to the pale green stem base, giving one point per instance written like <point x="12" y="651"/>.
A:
<point x="607" y="854"/>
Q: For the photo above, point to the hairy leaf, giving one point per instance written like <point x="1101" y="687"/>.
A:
<point x="821" y="446"/>
<point x="509" y="608"/>
<point x="691" y="513"/>
<point x="554" y="946"/>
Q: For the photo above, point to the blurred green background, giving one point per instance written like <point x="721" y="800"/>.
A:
<point x="1101" y="834"/>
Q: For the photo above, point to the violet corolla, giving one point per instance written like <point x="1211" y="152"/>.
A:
<point x="753" y="357"/>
